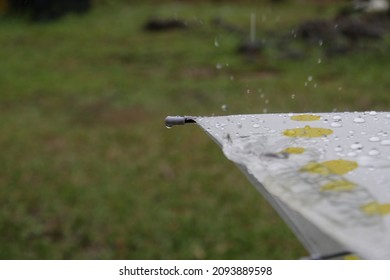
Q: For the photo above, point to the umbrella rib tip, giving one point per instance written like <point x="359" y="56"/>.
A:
<point x="177" y="120"/>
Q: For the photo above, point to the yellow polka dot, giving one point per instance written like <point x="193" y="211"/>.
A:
<point x="339" y="167"/>
<point x="294" y="150"/>
<point x="308" y="132"/>
<point x="374" y="208"/>
<point x="305" y="118"/>
<point x="339" y="186"/>
<point x="351" y="257"/>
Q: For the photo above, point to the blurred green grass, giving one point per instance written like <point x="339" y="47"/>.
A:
<point x="87" y="168"/>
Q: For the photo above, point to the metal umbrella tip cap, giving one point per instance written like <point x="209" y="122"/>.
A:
<point x="171" y="121"/>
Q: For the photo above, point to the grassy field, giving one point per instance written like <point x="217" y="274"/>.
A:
<point x="88" y="169"/>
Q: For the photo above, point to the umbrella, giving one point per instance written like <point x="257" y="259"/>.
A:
<point x="326" y="174"/>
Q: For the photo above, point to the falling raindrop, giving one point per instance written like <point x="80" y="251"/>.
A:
<point x="231" y="78"/>
<point x="224" y="107"/>
<point x="315" y="85"/>
<point x="266" y="101"/>
<point x="294" y="33"/>
<point x="319" y="61"/>
<point x="310" y="78"/>
<point x="253" y="28"/>
<point x="219" y="66"/>
<point x="216" y="43"/>
<point x="292" y="96"/>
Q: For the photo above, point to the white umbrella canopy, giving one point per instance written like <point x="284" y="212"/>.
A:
<point x="327" y="174"/>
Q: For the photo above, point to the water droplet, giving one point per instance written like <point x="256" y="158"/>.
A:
<point x="356" y="146"/>
<point x="374" y="139"/>
<point x="351" y="154"/>
<point x="224" y="107"/>
<point x="358" y="120"/>
<point x="266" y="101"/>
<point x="338" y="149"/>
<point x="292" y="96"/>
<point x="372" y="113"/>
<point x="265" y="110"/>
<point x="373" y="152"/>
<point x="385" y="142"/>
<point x="219" y="66"/>
<point x="337" y="118"/>
<point x="315" y="85"/>
<point x="310" y="78"/>
<point x="320" y="43"/>
<point x="336" y="124"/>
<point x="306" y="84"/>
<point x="216" y="43"/>
<point x="319" y="61"/>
